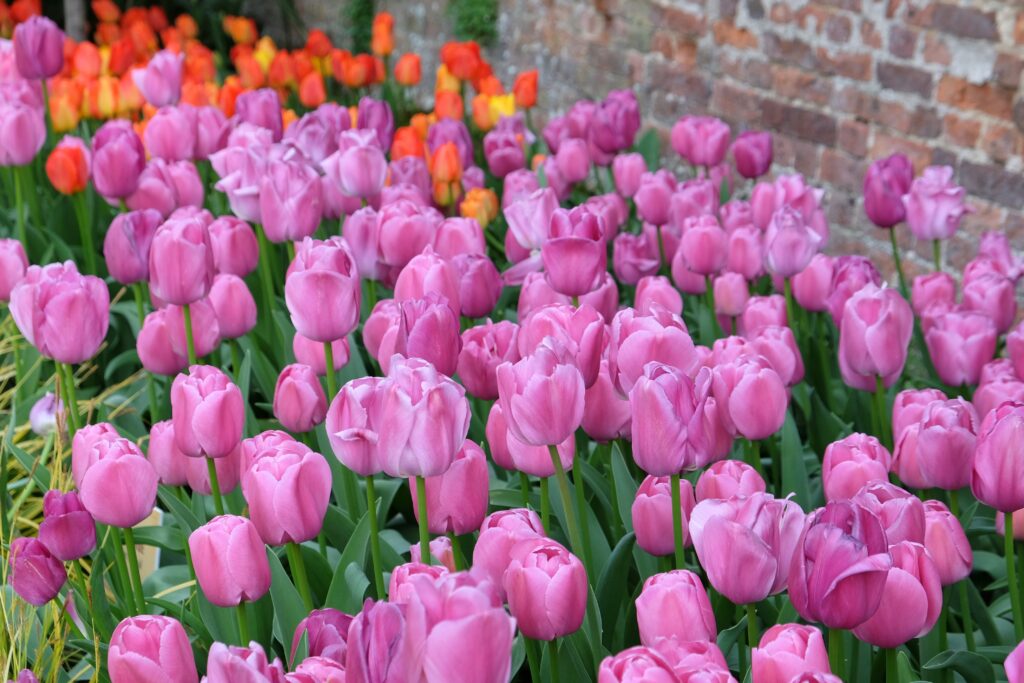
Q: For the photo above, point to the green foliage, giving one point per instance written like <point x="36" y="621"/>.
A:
<point x="475" y="20"/>
<point x="360" y="15"/>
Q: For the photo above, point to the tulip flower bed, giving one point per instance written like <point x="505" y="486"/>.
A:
<point x="304" y="383"/>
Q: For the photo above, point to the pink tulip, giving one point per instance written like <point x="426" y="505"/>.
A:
<point x="299" y="401"/>
<point x="127" y="244"/>
<point x="909" y="405"/>
<point x="13" y="265"/>
<point x="359" y="167"/>
<point x="874" y="337"/>
<point x="674" y="604"/>
<point x="181" y="262"/>
<point x="38" y="48"/>
<point x="945" y="443"/>
<point x="86" y="447"/>
<point x="580" y="331"/>
<point x="171" y="464"/>
<point x="947" y="543"/>
<point x="573" y="160"/>
<point x="510" y="452"/>
<point x="792" y="191"/>
<point x="457" y="499"/>
<point x="789" y="243"/>
<point x="997" y="479"/>
<point x="376" y="115"/>
<point x="67" y="530"/>
<point x="160" y="81"/>
<point x="692" y="199"/>
<point x="162" y="346"/>
<point x="751" y="397"/>
<point x="34" y="574"/>
<point x="1014" y="665"/>
<point x="761" y="312"/>
<point x="261" y="108"/>
<point x="197" y="473"/>
<point x="694" y="660"/>
<point x="813" y="284"/>
<point x="652" y="514"/>
<point x="380" y="646"/>
<point x="991" y="395"/>
<point x="701" y="140"/>
<point x="326" y="633"/>
<point x="934" y="204"/>
<point x="319" y="669"/>
<point x="703" y="245"/>
<point x="547" y="591"/>
<point x="428" y="272"/>
<point x="24" y="132"/>
<point x="745" y="253"/>
<point x="234" y="306"/>
<point x="290" y="201"/>
<point x="480" y="284"/>
<point x="457" y="236"/>
<point x="658" y="289"/>
<point x="746" y="544"/>
<point x="166" y="186"/>
<point x="322" y="290"/>
<point x="839" y="570"/>
<point x="118" y="485"/>
<point x="208" y="412"/>
<point x="404" y="230"/>
<point x="850" y="275"/>
<point x="885" y="183"/>
<point x="227" y="579"/>
<point x="626" y="171"/>
<point x="429" y="329"/>
<point x="350" y="428"/>
<point x="171" y="134"/>
<point x="994" y="295"/>
<point x="635" y="257"/>
<point x="636" y="665"/>
<point x="636" y="340"/>
<point x="911" y="599"/>
<point x="727" y="479"/>
<point x="752" y="152"/>
<point x="541" y="395"/>
<point x="852" y="462"/>
<point x="229" y="663"/>
<point x="62" y="313"/>
<point x="731" y="294"/>
<point x="211" y="131"/>
<point x="667" y="425"/>
<point x="287" y="493"/>
<point x="42" y="417"/>
<point x="311" y="353"/>
<point x="653" y="197"/>
<point x="118" y="159"/>
<point x="574" y="254"/>
<point x="900" y="513"/>
<point x="504" y="152"/>
<point x="484" y="347"/>
<point x="150" y="647"/>
<point x="234" y="244"/>
<point x="606" y="414"/>
<point x="786" y="651"/>
<point x="500" y="534"/>
<point x="427" y="417"/>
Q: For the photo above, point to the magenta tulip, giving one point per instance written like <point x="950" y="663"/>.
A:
<point x="208" y="412"/>
<point x="575" y="255"/>
<point x="34" y="574"/>
<point x="900" y="513"/>
<point x="542" y="395"/>
<point x="653" y="198"/>
<point x="457" y="499"/>
<point x="261" y="108"/>
<point x="119" y="487"/>
<point x="150" y="648"/>
<point x="997" y="478"/>
<point x="234" y="244"/>
<point x="322" y="290"/>
<point x="326" y="634"/>
<point x="287" y="493"/>
<point x="13" y="265"/>
<point x="484" y="347"/>
<point x="911" y="599"/>
<point x="38" y="48"/>
<point x="626" y="171"/>
<point x="480" y="284"/>
<point x="885" y="183"/>
<point x="874" y="337"/>
<point x="228" y="663"/>
<point x="934" y="204"/>
<point x="789" y="242"/>
<point x="606" y="414"/>
<point x="160" y="81"/>
<point x="652" y="514"/>
<point x="786" y="651"/>
<point x="636" y="665"/>
<point x="947" y="543"/>
<point x="752" y="152"/>
<point x="228" y="578"/>
<point x="852" y="462"/>
<point x="67" y="530"/>
<point x="701" y="140"/>
<point x="547" y="591"/>
<point x="118" y="159"/>
<point x="727" y="479"/>
<point x="675" y="604"/>
<point x="127" y="244"/>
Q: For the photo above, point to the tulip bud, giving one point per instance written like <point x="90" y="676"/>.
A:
<point x="273" y="487"/>
<point x="701" y="140"/>
<point x="228" y="663"/>
<point x="43" y="415"/>
<point x="947" y="543"/>
<point x="233" y="304"/>
<point x="752" y="152"/>
<point x="35" y="574"/>
<point x="290" y="201"/>
<point x="606" y="414"/>
<point x="934" y="205"/>
<point x="160" y="80"/>
<point x="653" y="198"/>
<point x="727" y="479"/>
<point x="208" y="412"/>
<point x="67" y="529"/>
<point x="234" y="244"/>
<point x="786" y="651"/>
<point x="852" y="462"/>
<point x="636" y="665"/>
<point x="323" y="271"/>
<point x="652" y="514"/>
<point x="627" y="170"/>
<point x="874" y="337"/>
<point x="885" y="183"/>
<point x="350" y="430"/>
<point x="812" y="285"/>
<point x="575" y="255"/>
<point x="547" y="590"/>
<point x="13" y="265"/>
<point x="181" y="262"/>
<point x="674" y="604"/>
<point x="326" y="633"/>
<point x="997" y="478"/>
<point x="118" y="159"/>
<point x="299" y="401"/>
<point x="541" y="396"/>
<point x="38" y="48"/>
<point x="457" y="499"/>
<point x="126" y="246"/>
<point x="229" y="578"/>
<point x="117" y="485"/>
<point x="149" y="646"/>
<point x="500" y="534"/>
<point x="480" y="284"/>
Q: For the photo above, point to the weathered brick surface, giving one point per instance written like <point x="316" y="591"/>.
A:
<point x="841" y="82"/>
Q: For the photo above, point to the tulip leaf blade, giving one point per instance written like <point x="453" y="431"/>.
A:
<point x="288" y="607"/>
<point x="972" y="666"/>
<point x="183" y="515"/>
<point x="794" y="470"/>
<point x="649" y="147"/>
<point x="625" y="487"/>
<point x="610" y="596"/>
<point x="344" y="593"/>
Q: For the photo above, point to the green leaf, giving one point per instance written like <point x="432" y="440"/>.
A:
<point x="610" y="595"/>
<point x="904" y="671"/>
<point x="340" y="595"/>
<point x="288" y="607"/>
<point x="625" y="488"/>
<point x="164" y="537"/>
<point x="182" y="513"/>
<point x="649" y="147"/>
<point x="40" y="474"/>
<point x="972" y="666"/>
<point x="794" y="471"/>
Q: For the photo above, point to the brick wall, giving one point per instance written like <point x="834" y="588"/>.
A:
<point x="840" y="82"/>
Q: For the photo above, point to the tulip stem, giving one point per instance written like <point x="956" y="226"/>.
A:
<point x="898" y="262"/>
<point x="532" y="656"/>
<point x="85" y="231"/>
<point x="553" y="661"/>
<point x="891" y="671"/>
<point x="21" y="207"/>
<point x="133" y="566"/>
<point x="290" y="247"/>
<point x="709" y="295"/>
<point x="545" y="505"/>
<point x="332" y="382"/>
<point x="421" y="507"/>
<point x="835" y="652"/>
<point x="189" y="340"/>
<point x="753" y="637"/>
<point x="119" y="565"/>
<point x="1011" y="577"/>
<point x="677" y="522"/>
<point x="570" y="514"/>
<point x="218" y="501"/>
<point x="755" y="458"/>
<point x="613" y="495"/>
<point x="791" y="309"/>
<point x="378" y="566"/>
<point x="298" y="567"/>
<point x="457" y="558"/>
<point x="524" y="488"/>
<point x="236" y="359"/>
<point x="937" y="254"/>
<point x="243" y="624"/>
<point x="267" y="282"/>
<point x="880" y="410"/>
<point x="67" y="377"/>
<point x="965" y="614"/>
<point x="140" y="309"/>
<point x="581" y="515"/>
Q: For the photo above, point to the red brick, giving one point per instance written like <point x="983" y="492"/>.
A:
<point x="1018" y="29"/>
<point x="727" y="33"/>
<point x="1008" y="69"/>
<point x="735" y="103"/>
<point x="797" y="153"/>
<point x="841" y="170"/>
<point x="678" y="21"/>
<point x="935" y="50"/>
<point x="994" y="183"/>
<point x="1000" y="142"/>
<point x="883" y="145"/>
<point x="813" y="126"/>
<point x="904" y="78"/>
<point x="871" y="36"/>
<point x="856" y="66"/>
<point x="960" y="131"/>
<point x="902" y="41"/>
<point x="780" y="13"/>
<point x="789" y="51"/>
<point x="991" y="99"/>
<point x="797" y="84"/>
<point x="853" y="137"/>
<point x="838" y="28"/>
<point x="966" y="22"/>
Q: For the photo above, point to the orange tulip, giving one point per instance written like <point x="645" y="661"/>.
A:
<point x="106" y="10"/>
<point x="229" y="92"/>
<point x="129" y="98"/>
<point x="187" y="26"/>
<point x="379" y="72"/>
<point x="462" y="59"/>
<point x="302" y="64"/>
<point x="21" y="10"/>
<point x="448" y="105"/>
<point x="318" y="44"/>
<point x="407" y="69"/>
<point x="480" y="203"/>
<point x="537" y="161"/>
<point x="445" y="164"/>
<point x="311" y="91"/>
<point x="421" y="123"/>
<point x="249" y="71"/>
<point x="65" y="104"/>
<point x="143" y="40"/>
<point x="445" y="81"/>
<point x="242" y="30"/>
<point x="134" y="15"/>
<point x="288" y="117"/>
<point x="101" y="97"/>
<point x="158" y="18"/>
<point x="490" y="85"/>
<point x="281" y="73"/>
<point x="199" y="64"/>
<point x="122" y="56"/>
<point x="525" y="89"/>
<point x="198" y="93"/>
<point x="171" y="39"/>
<point x="67" y="167"/>
<point x="382" y="41"/>
<point x="407" y="143"/>
<point x="108" y="34"/>
<point x="86" y="60"/>
<point x="481" y="106"/>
